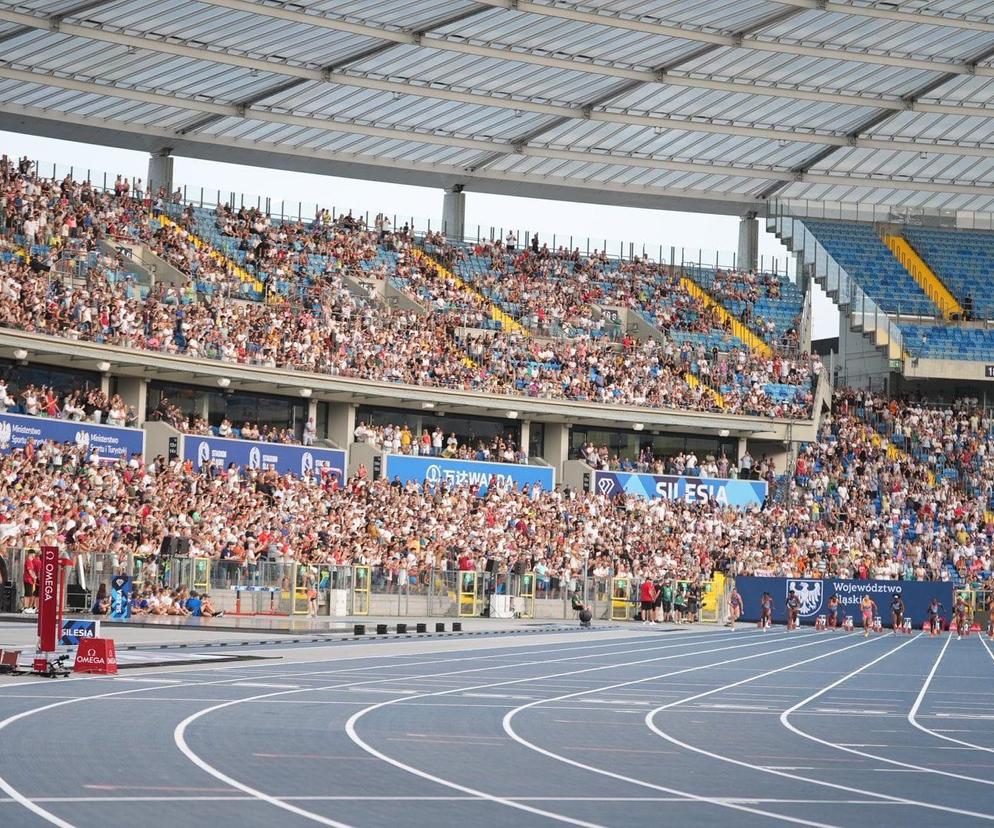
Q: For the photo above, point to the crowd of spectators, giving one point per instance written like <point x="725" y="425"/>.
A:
<point x="855" y="504"/>
<point x="91" y="405"/>
<point x="400" y="439"/>
<point x="336" y="331"/>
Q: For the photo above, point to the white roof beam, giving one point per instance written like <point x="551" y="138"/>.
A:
<point x="577" y="112"/>
<point x="919" y="18"/>
<point x="608" y="20"/>
<point x="582" y="156"/>
<point x="671" y="78"/>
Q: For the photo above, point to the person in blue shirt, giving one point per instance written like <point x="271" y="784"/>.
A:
<point x="194" y="605"/>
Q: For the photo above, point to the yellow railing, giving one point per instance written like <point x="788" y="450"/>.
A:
<point x="507" y="322"/>
<point x="694" y="381"/>
<point x="216" y="255"/>
<point x="753" y="342"/>
<point x="924" y="275"/>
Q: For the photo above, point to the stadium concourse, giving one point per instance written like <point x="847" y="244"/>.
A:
<point x="594" y="728"/>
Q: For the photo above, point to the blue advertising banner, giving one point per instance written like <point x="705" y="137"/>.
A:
<point x="814" y="594"/>
<point x="114" y="443"/>
<point x="73" y="631"/>
<point x="738" y="493"/>
<point x="252" y="454"/>
<point x="466" y="472"/>
<point x="120" y="597"/>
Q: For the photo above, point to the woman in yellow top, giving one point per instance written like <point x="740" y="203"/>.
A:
<point x="869" y="608"/>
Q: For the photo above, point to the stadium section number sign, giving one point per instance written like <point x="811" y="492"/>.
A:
<point x="815" y="592"/>
<point x="252" y="454"/>
<point x="738" y="493"/>
<point x="114" y="443"/>
<point x="466" y="472"/>
<point x="989" y="371"/>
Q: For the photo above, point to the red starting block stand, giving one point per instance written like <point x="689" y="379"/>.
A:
<point x="821" y="622"/>
<point x="96" y="655"/>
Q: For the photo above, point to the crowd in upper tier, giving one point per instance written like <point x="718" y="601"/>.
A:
<point x="318" y="316"/>
<point x="889" y="490"/>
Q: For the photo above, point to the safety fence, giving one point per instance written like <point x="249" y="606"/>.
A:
<point x="287" y="587"/>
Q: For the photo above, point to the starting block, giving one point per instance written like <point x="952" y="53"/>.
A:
<point x="907" y="626"/>
<point x="8" y="661"/>
<point x="821" y="622"/>
<point x="878" y="625"/>
<point x="96" y="655"/>
<point x="847" y="625"/>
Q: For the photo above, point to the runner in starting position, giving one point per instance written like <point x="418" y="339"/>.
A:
<point x="897" y="612"/>
<point x="793" y="610"/>
<point x="869" y="608"/>
<point x="766" y="611"/>
<point x="833" y="611"/>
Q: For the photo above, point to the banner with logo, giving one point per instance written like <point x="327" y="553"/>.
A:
<point x="252" y="454"/>
<point x="74" y="631"/>
<point x="48" y="599"/>
<point x="814" y="594"/>
<point x="120" y="597"/>
<point x="466" y="472"/>
<point x="738" y="493"/>
<point x="115" y="443"/>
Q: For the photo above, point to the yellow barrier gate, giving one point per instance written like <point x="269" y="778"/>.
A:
<point x="303" y="580"/>
<point x="526" y="596"/>
<point x="620" y="588"/>
<point x="711" y="597"/>
<point x="201" y="579"/>
<point x="360" y="590"/>
<point x="469" y="603"/>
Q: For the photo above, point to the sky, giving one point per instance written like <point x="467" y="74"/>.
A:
<point x="694" y="233"/>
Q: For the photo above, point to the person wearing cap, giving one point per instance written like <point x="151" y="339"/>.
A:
<point x="897" y="612"/>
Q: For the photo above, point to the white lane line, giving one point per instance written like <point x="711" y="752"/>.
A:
<point x="267" y="686"/>
<point x="233" y="797"/>
<point x="149" y="679"/>
<point x="913" y="712"/>
<point x="27" y="803"/>
<point x="785" y="721"/>
<point x="509" y="729"/>
<point x="793" y="776"/>
<point x="350" y="729"/>
<point x="179" y="733"/>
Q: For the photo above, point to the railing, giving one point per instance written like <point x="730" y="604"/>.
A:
<point x="854" y="211"/>
<point x="864" y="313"/>
<point x="298" y="210"/>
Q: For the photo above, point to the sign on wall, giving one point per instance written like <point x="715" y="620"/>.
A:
<point x="114" y="443"/>
<point x="814" y="594"/>
<point x="254" y="454"/>
<point x="738" y="493"/>
<point x="466" y="472"/>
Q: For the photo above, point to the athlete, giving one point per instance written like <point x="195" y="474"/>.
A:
<point x="869" y="609"/>
<point x="990" y="617"/>
<point x="935" y="610"/>
<point x="793" y="610"/>
<point x="833" y="611"/>
<point x="735" y="606"/>
<point x="961" y="608"/>
<point x="897" y="611"/>
<point x="766" y="611"/>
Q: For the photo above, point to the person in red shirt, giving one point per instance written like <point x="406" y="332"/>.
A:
<point x="647" y="595"/>
<point x="32" y="575"/>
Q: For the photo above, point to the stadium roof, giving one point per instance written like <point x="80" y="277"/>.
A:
<point x="709" y="105"/>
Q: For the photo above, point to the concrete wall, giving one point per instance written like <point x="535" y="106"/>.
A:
<point x="863" y="364"/>
<point x="158" y="437"/>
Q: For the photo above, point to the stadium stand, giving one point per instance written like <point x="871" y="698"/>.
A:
<point x="860" y="251"/>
